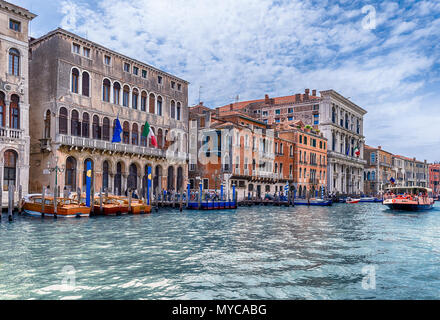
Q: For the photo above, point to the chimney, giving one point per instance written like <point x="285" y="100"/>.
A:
<point x="266" y="99"/>
<point x="314" y="93"/>
<point x="379" y="147"/>
<point x="306" y="96"/>
<point x="231" y="107"/>
<point x="298" y="97"/>
<point x="201" y="103"/>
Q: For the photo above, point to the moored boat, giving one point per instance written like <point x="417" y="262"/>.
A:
<point x="409" y="199"/>
<point x="66" y="208"/>
<point x="314" y="202"/>
<point x="137" y="206"/>
<point x="110" y="207"/>
<point x="370" y="200"/>
<point x="352" y="201"/>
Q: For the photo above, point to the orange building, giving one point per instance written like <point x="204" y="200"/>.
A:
<point x="434" y="178"/>
<point x="310" y="157"/>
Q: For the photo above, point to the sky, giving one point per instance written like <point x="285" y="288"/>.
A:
<point x="383" y="55"/>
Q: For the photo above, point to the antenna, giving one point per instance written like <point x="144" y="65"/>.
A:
<point x="200" y="94"/>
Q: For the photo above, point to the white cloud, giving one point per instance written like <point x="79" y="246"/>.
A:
<point x="256" y="47"/>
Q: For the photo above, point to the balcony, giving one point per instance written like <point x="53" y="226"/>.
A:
<point x="113" y="147"/>
<point x="9" y="133"/>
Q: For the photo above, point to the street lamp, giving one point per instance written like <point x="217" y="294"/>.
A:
<point x="57" y="170"/>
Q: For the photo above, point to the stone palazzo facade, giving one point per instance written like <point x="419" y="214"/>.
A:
<point x="79" y="89"/>
<point x="14" y="98"/>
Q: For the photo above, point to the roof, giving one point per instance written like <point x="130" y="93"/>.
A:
<point x="79" y="38"/>
<point x="17" y="9"/>
<point x="276" y="101"/>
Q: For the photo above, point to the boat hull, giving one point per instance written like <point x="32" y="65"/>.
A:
<point x="39" y="214"/>
<point x="409" y="207"/>
<point x="314" y="203"/>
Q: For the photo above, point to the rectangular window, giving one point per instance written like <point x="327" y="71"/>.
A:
<point x="86" y="52"/>
<point x="126" y="67"/>
<point x="278" y="111"/>
<point x="173" y="85"/>
<point x="159" y="79"/>
<point x="144" y="74"/>
<point x="15" y="25"/>
<point x="290" y="118"/>
<point x="136" y="71"/>
<point x="316" y="119"/>
<point x="76" y="48"/>
<point x="290" y="110"/>
<point x="206" y="184"/>
<point x="108" y="60"/>
<point x="265" y="121"/>
<point x="277" y="120"/>
<point x="179" y="87"/>
<point x="265" y="113"/>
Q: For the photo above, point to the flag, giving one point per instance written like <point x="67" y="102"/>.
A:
<point x="392" y="180"/>
<point x="117" y="132"/>
<point x="348" y="150"/>
<point x="357" y="152"/>
<point x="148" y="133"/>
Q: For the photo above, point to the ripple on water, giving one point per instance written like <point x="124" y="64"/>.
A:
<point x="255" y="253"/>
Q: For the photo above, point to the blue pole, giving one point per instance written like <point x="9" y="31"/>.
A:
<point x="233" y="193"/>
<point x="148" y="185"/>
<point x="188" y="188"/>
<point x="221" y="192"/>
<point x="88" y="183"/>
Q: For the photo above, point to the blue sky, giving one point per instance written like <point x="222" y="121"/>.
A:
<point x="388" y="63"/>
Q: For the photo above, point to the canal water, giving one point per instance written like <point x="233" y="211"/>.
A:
<point x="358" y="251"/>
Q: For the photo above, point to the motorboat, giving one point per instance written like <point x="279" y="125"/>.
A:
<point x="66" y="208"/>
<point x="409" y="198"/>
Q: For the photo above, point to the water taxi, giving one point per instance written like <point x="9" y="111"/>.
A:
<point x="137" y="206"/>
<point x="110" y="207"/>
<point x="66" y="208"/>
<point x="370" y="200"/>
<point x="409" y="198"/>
<point x="314" y="202"/>
<point x="352" y="201"/>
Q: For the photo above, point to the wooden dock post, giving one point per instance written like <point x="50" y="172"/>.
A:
<point x="11" y="201"/>
<point x="129" y="200"/>
<point x="55" y="206"/>
<point x="101" y="208"/>
<point x="1" y="196"/>
<point x="20" y="202"/>
<point x="200" y="195"/>
<point x="43" y="201"/>
<point x="181" y="202"/>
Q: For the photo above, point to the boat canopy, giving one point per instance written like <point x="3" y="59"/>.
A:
<point x="410" y="190"/>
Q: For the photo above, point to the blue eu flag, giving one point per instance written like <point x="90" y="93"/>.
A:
<point x="88" y="183"/>
<point x="117" y="132"/>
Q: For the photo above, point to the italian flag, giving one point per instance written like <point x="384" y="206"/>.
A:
<point x="357" y="152"/>
<point x="149" y="134"/>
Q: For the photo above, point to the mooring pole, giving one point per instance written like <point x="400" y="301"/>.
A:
<point x="129" y="200"/>
<point x="181" y="201"/>
<point x="100" y="203"/>
<point x="11" y="201"/>
<point x="188" y="195"/>
<point x="20" y="195"/>
<point x="200" y="195"/>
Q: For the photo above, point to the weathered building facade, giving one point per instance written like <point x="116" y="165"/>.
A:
<point x="378" y="170"/>
<point x="339" y="119"/>
<point x="79" y="89"/>
<point x="14" y="97"/>
<point x="434" y="178"/>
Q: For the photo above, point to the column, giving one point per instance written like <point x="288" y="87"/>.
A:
<point x="111" y="93"/>
<point x="7" y="116"/>
<point x="130" y="98"/>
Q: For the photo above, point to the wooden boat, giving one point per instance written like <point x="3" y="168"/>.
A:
<point x="352" y="201"/>
<point x="137" y="206"/>
<point x="66" y="208"/>
<point x="110" y="207"/>
<point x="314" y="202"/>
<point x="409" y="198"/>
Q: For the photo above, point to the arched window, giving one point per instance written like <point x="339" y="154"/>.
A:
<point x="144" y="101"/>
<point x="106" y="129"/>
<point x="132" y="177"/>
<point x="179" y="110"/>
<point x="75" y="80"/>
<point x="63" y="121"/>
<point x="135" y="135"/>
<point x="96" y="128"/>
<point x="143" y="139"/>
<point x="70" y="177"/>
<point x="106" y="90"/>
<point x="116" y="93"/>
<point x="75" y="124"/>
<point x="170" y="184"/>
<point x="10" y="169"/>
<point x="152" y="103"/>
<point x="14" y="114"/>
<point x="135" y="99"/>
<point x="47" y="125"/>
<point x="105" y="175"/>
<point x="118" y="179"/>
<point x="173" y="110"/>
<point x="126" y="96"/>
<point x="159" y="106"/>
<point x="2" y="110"/>
<point x="85" y="84"/>
<point x="126" y="133"/>
<point x="160" y="138"/>
<point x="14" y="62"/>
<point x="86" y="125"/>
